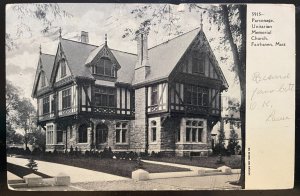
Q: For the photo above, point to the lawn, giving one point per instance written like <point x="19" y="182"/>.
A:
<point x="119" y="167"/>
<point x="211" y="162"/>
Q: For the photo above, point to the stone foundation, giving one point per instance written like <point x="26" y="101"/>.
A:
<point x="166" y="136"/>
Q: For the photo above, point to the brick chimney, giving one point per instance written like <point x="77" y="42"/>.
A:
<point x="142" y="67"/>
<point x="84" y="37"/>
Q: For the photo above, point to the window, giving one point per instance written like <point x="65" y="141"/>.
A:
<point x="178" y="136"/>
<point x="154" y="95"/>
<point x="194" y="131"/>
<point x="59" y="136"/>
<point x="153" y="131"/>
<point x="200" y="130"/>
<point x="121" y="132"/>
<point x="101" y="133"/>
<point x="52" y="105"/>
<point x="187" y="134"/>
<point x="66" y="99"/>
<point x="82" y="134"/>
<point x="231" y="125"/>
<point x="49" y="134"/>
<point x="198" y="63"/>
<point x="105" y="96"/>
<point x="105" y="67"/>
<point x="63" y="69"/>
<point x="46" y="105"/>
<point x="196" y="95"/>
<point x="43" y="79"/>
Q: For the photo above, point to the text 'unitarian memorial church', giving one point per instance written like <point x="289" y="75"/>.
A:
<point x="163" y="99"/>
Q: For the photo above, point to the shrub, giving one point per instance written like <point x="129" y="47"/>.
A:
<point x="27" y="151"/>
<point x="219" y="149"/>
<point x="71" y="152"/>
<point x="36" y="151"/>
<point x="107" y="153"/>
<point x="87" y="153"/>
<point x="139" y="163"/>
<point x="32" y="164"/>
<point x="55" y="151"/>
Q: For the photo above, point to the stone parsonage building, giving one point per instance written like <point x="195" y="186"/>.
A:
<point x="165" y="98"/>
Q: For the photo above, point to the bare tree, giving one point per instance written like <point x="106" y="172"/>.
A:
<point x="45" y="14"/>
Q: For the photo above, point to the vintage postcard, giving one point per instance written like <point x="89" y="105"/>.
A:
<point x="150" y="96"/>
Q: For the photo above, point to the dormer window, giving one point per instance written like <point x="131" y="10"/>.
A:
<point x="198" y="62"/>
<point x="63" y="69"/>
<point x="43" y="79"/>
<point x="105" y="67"/>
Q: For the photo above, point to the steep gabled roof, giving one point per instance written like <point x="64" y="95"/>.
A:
<point x="79" y="54"/>
<point x="76" y="54"/>
<point x="45" y="64"/>
<point x="164" y="57"/>
<point x="47" y="61"/>
<point x="127" y="62"/>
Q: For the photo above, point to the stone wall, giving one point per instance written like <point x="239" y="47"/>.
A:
<point x="168" y="132"/>
<point x="138" y="134"/>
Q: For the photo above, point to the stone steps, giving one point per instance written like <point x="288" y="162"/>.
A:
<point x="15" y="181"/>
<point x="19" y="185"/>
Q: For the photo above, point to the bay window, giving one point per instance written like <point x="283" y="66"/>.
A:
<point x="105" y="96"/>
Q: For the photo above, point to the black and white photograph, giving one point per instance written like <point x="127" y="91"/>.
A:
<point x="105" y="97"/>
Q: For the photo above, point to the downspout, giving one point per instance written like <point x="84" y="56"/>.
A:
<point x="146" y="118"/>
<point x="66" y="138"/>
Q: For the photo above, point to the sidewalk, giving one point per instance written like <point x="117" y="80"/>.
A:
<point x="77" y="174"/>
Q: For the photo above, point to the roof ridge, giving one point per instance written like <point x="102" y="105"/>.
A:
<point x="173" y="38"/>
<point x="79" y="42"/>
<point x="123" y="51"/>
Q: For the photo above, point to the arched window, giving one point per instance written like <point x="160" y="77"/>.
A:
<point x="121" y="132"/>
<point x="105" y="67"/>
<point x="101" y="133"/>
<point x="82" y="133"/>
<point x="153" y="131"/>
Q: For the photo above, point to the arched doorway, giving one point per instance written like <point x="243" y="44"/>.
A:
<point x="101" y="134"/>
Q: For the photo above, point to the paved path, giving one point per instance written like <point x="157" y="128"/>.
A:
<point x="11" y="176"/>
<point x="77" y="174"/>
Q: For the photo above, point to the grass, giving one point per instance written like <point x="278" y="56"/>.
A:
<point x="23" y="171"/>
<point x="112" y="166"/>
<point x="233" y="161"/>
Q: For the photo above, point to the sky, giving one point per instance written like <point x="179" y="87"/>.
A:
<point x="97" y="20"/>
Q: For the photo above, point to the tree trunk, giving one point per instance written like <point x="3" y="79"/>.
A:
<point x="240" y="68"/>
<point x="26" y="139"/>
